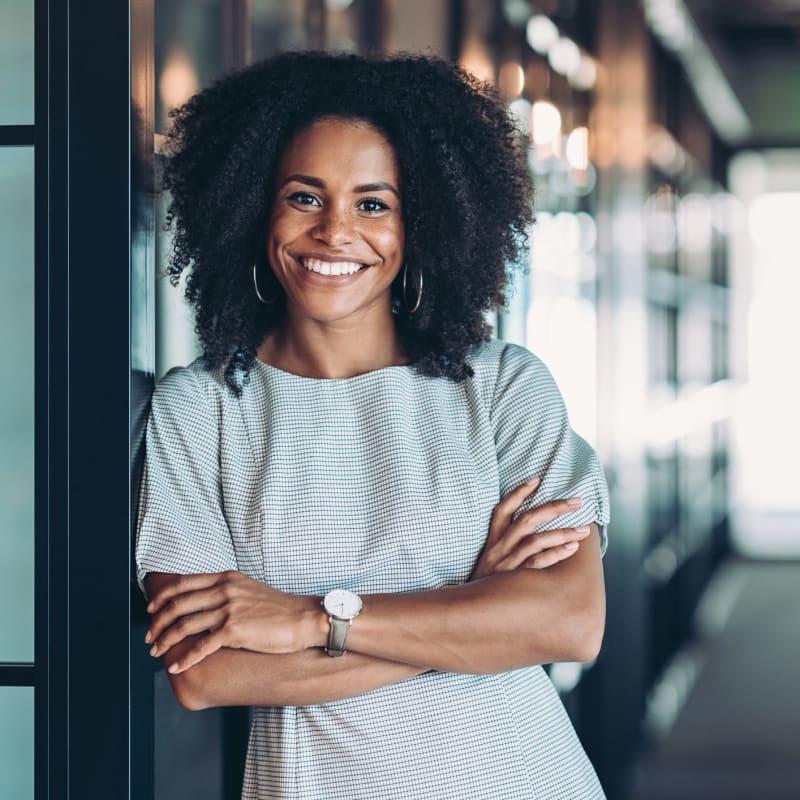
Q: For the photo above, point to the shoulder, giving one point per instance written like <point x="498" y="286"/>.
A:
<point x="499" y="366"/>
<point x="186" y="387"/>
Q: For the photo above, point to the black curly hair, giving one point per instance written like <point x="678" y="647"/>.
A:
<point x="467" y="195"/>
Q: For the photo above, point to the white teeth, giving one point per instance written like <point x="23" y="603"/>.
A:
<point x="331" y="267"/>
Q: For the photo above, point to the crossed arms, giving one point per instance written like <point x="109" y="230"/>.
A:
<point x="533" y="598"/>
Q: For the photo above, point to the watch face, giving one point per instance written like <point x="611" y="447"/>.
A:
<point x="342" y="603"/>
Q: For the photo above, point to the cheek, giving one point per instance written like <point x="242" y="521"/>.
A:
<point x="391" y="241"/>
<point x="278" y="235"/>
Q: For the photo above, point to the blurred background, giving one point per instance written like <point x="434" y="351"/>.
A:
<point x="661" y="288"/>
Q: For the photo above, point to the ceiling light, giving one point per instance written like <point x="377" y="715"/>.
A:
<point x="584" y="76"/>
<point x="577" y="150"/>
<point x="564" y="56"/>
<point x="541" y="33"/>
<point x="546" y="120"/>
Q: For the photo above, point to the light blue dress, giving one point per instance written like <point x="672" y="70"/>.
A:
<point x="383" y="482"/>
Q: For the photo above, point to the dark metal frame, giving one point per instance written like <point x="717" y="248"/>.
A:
<point x="13" y="135"/>
<point x="82" y="253"/>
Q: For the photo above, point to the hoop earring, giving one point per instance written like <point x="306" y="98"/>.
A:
<point x="409" y="308"/>
<point x="255" y="283"/>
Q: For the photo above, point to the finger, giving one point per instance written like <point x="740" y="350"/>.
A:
<point x="530" y="520"/>
<point x="553" y="556"/>
<point x="202" y="648"/>
<point x="527" y="523"/>
<point x="187" y="626"/>
<point x="537" y="543"/>
<point x="184" y="605"/>
<point x="181" y="585"/>
<point x="504" y="510"/>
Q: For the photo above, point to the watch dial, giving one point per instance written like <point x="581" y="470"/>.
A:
<point x="342" y="603"/>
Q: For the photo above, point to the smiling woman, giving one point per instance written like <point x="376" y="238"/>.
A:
<point x="357" y="514"/>
<point x="335" y="244"/>
<point x="458" y="162"/>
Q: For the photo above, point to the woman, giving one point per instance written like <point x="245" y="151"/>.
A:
<point x="338" y="500"/>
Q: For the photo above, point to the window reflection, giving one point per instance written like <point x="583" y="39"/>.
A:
<point x="16" y="742"/>
<point x="16" y="405"/>
<point x="16" y="62"/>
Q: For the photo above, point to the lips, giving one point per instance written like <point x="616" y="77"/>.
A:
<point x="325" y="267"/>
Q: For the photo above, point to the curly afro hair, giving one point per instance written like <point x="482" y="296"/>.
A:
<point x="467" y="196"/>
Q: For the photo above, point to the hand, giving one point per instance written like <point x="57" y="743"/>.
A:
<point x="513" y="543"/>
<point x="228" y="609"/>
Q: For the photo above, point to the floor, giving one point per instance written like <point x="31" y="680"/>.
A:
<point x="737" y="735"/>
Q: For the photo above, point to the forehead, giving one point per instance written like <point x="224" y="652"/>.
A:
<point x="341" y="148"/>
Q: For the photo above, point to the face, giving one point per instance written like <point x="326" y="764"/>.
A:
<point x="336" y="234"/>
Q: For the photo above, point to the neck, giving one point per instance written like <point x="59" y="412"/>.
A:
<point x="331" y="350"/>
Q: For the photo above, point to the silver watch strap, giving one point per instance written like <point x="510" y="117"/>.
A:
<point x="337" y="636"/>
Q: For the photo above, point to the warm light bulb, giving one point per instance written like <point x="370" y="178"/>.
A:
<point x="546" y="120"/>
<point x="578" y="148"/>
<point x="511" y="79"/>
<point x="178" y="79"/>
<point x="476" y="60"/>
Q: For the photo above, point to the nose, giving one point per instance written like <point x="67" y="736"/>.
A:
<point x="334" y="227"/>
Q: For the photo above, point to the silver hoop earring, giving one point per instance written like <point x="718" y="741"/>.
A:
<point x="409" y="308"/>
<point x="255" y="283"/>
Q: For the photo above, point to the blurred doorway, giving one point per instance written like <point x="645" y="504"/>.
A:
<point x="764" y="258"/>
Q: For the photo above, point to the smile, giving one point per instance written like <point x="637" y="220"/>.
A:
<point x="331" y="267"/>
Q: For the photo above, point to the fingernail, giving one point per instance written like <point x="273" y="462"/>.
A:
<point x="583" y="529"/>
<point x="534" y="481"/>
<point x="571" y="546"/>
<point x="147" y="637"/>
<point x="154" y="650"/>
<point x="173" y="668"/>
<point x="574" y="501"/>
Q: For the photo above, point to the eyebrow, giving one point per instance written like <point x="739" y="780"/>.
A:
<point x="379" y="186"/>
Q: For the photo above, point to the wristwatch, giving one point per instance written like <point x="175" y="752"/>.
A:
<point x="342" y="607"/>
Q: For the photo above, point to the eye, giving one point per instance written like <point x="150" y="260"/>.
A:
<point x="372" y="205"/>
<point x="304" y="199"/>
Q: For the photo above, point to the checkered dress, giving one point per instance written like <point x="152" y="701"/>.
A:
<point x="384" y="482"/>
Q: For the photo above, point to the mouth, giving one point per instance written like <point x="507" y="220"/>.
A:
<point x="331" y="267"/>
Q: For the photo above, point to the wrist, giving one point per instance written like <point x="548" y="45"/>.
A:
<point x="314" y="623"/>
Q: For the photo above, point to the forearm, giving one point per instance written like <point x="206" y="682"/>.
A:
<point x="240" y="677"/>
<point x="502" y="622"/>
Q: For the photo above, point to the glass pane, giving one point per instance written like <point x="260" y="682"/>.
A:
<point x="16" y="62"/>
<point x="16" y="405"/>
<point x="16" y="742"/>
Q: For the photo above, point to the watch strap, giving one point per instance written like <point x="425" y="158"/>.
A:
<point x="337" y="636"/>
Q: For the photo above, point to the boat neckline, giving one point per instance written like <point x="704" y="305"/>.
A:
<point x="361" y="375"/>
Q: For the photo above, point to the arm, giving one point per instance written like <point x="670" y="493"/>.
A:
<point x="503" y="621"/>
<point x="232" y="676"/>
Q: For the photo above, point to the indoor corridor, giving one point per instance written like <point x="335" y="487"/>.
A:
<point x="737" y="736"/>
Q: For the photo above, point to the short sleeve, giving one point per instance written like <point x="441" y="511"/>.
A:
<point x="181" y="525"/>
<point x="534" y="439"/>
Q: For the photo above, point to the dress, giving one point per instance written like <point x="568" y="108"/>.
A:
<point x="384" y="482"/>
